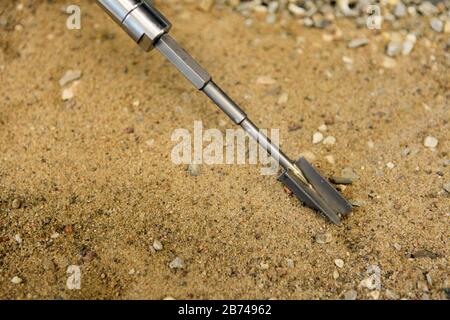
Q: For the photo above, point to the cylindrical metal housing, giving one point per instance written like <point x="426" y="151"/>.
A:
<point x="139" y="18"/>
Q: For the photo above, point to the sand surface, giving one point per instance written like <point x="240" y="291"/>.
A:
<point x="90" y="182"/>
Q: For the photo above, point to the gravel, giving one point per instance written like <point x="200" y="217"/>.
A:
<point x="18" y="238"/>
<point x="16" y="204"/>
<point x="437" y="25"/>
<point x="356" y="43"/>
<point x="341" y="180"/>
<point x="394" y="48"/>
<point x="176" y="263"/>
<point x="329" y="141"/>
<point x="16" y="280"/>
<point x="69" y="77"/>
<point x="431" y="142"/>
<point x="323" y="238"/>
<point x="317" y="137"/>
<point x="157" y="245"/>
<point x="67" y="94"/>
<point x="339" y="263"/>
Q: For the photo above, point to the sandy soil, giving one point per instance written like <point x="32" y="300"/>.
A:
<point x="94" y="192"/>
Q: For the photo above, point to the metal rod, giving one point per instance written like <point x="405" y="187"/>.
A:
<point x="224" y="102"/>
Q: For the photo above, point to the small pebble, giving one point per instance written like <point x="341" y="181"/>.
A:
<point x="390" y="165"/>
<point x="70" y="76"/>
<point x="400" y="9"/>
<point x="329" y="141"/>
<point x="323" y="238"/>
<point x="323" y="127"/>
<point x="427" y="8"/>
<point x="394" y="48"/>
<point x="67" y="94"/>
<point x="18" y="238"/>
<point x="336" y="275"/>
<point x="176" y="263"/>
<point x="16" y="280"/>
<point x="356" y="43"/>
<point x="157" y="245"/>
<point x="437" y="25"/>
<point x="317" y="137"/>
<point x="16" y="203"/>
<point x="341" y="180"/>
<point x="431" y="142"/>
<point x="339" y="263"/>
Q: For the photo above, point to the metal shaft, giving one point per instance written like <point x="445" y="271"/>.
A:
<point x="200" y="78"/>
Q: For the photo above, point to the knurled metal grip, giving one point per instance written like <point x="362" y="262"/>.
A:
<point x="139" y="18"/>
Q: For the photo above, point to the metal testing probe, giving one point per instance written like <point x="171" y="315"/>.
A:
<point x="149" y="29"/>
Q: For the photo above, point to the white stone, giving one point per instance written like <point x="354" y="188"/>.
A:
<point x="70" y="76"/>
<point x="16" y="280"/>
<point x="329" y="140"/>
<point x="157" y="245"/>
<point x="317" y="137"/>
<point x="18" y="238"/>
<point x="67" y="94"/>
<point x="430" y="142"/>
<point x="339" y="263"/>
<point x="176" y="263"/>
